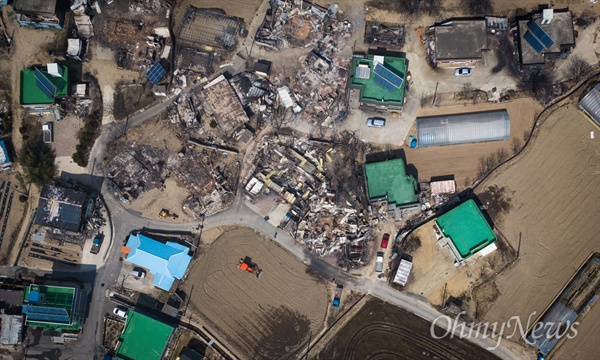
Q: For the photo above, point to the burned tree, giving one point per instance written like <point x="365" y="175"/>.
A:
<point x="577" y="68"/>
<point x="539" y="83"/>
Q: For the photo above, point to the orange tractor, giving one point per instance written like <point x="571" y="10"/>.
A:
<point x="246" y="264"/>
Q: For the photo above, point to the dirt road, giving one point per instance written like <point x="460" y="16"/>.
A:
<point x="267" y="318"/>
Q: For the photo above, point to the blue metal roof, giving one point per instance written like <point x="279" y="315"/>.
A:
<point x="166" y="262"/>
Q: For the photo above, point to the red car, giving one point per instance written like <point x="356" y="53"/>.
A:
<point x="384" y="241"/>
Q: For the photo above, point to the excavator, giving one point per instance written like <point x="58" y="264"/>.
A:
<point x="246" y="264"/>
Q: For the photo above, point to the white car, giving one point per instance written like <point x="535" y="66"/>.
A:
<point x="138" y="273"/>
<point x="463" y="72"/>
<point x="120" y="312"/>
<point x="376" y="122"/>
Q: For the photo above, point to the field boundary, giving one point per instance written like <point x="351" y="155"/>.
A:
<point x="353" y="308"/>
<point x="546" y="112"/>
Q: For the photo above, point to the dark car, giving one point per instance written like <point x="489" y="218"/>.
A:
<point x="384" y="240"/>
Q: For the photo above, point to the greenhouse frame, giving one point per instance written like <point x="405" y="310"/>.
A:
<point x="463" y="128"/>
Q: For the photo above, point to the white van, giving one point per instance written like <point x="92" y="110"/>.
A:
<point x="376" y="122"/>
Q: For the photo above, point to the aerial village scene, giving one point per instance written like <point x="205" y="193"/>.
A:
<point x="293" y="179"/>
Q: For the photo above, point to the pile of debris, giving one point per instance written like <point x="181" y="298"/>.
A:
<point x="135" y="169"/>
<point x="300" y="24"/>
<point x="149" y="6"/>
<point x="296" y="170"/>
<point x="320" y="85"/>
<point x="185" y="111"/>
<point x="209" y="175"/>
<point x="385" y="34"/>
<point x="138" y="45"/>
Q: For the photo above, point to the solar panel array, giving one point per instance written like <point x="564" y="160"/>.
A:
<point x="394" y="79"/>
<point x="156" y="73"/>
<point x="379" y="80"/>
<point x="69" y="213"/>
<point x="534" y="42"/>
<point x="540" y="34"/>
<point x="42" y="313"/>
<point x="363" y="72"/>
<point x="45" y="85"/>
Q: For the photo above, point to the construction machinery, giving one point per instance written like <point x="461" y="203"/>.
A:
<point x="246" y="264"/>
<point x="167" y="213"/>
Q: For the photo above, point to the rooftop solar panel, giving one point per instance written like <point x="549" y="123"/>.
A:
<point x="534" y="42"/>
<point x="394" y="79"/>
<point x="379" y="80"/>
<point x="69" y="214"/>
<point x="45" y="85"/>
<point x="363" y="72"/>
<point x="42" y="313"/>
<point x="540" y="33"/>
<point x="156" y="73"/>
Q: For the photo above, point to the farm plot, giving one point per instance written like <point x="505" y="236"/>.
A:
<point x="383" y="331"/>
<point x="464" y="161"/>
<point x="548" y="197"/>
<point x="271" y="317"/>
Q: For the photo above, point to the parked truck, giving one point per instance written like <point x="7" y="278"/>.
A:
<point x="97" y="243"/>
<point x="337" y="296"/>
<point x="47" y="133"/>
<point x="379" y="263"/>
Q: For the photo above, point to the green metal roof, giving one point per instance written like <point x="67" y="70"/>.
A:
<point x="466" y="227"/>
<point x="371" y="91"/>
<point x="389" y="178"/>
<point x="143" y="338"/>
<point x="30" y="93"/>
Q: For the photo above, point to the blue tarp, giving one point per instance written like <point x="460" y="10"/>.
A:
<point x="3" y="148"/>
<point x="166" y="262"/>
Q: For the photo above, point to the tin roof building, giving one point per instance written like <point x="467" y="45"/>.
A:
<point x="143" y="338"/>
<point x="388" y="180"/>
<point x="590" y="103"/>
<point x="467" y="229"/>
<point x="463" y="128"/>
<point x="166" y="261"/>
<point x="43" y="85"/>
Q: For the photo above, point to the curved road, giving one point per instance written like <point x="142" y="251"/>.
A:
<point x="125" y="221"/>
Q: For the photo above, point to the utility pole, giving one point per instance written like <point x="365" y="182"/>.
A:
<point x="519" y="247"/>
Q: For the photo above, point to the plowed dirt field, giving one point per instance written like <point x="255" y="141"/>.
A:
<point x="383" y="331"/>
<point x="271" y="317"/>
<point x="549" y="197"/>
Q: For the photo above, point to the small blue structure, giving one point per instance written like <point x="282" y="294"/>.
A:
<point x="156" y="73"/>
<point x="4" y="158"/>
<point x="166" y="261"/>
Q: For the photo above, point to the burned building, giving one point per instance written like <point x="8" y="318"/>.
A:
<point x="221" y="102"/>
<point x="207" y="27"/>
<point x="63" y="209"/>
<point x="384" y="34"/>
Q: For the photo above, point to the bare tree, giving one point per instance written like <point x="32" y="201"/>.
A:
<point x="577" y="68"/>
<point x="516" y="145"/>
<point x="501" y="155"/>
<point x="283" y="116"/>
<point x="540" y="83"/>
<point x="477" y="7"/>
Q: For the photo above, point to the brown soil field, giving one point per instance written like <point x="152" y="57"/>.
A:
<point x="383" y="331"/>
<point x="548" y="196"/>
<point x="585" y="343"/>
<point x="462" y="160"/>
<point x="272" y="317"/>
